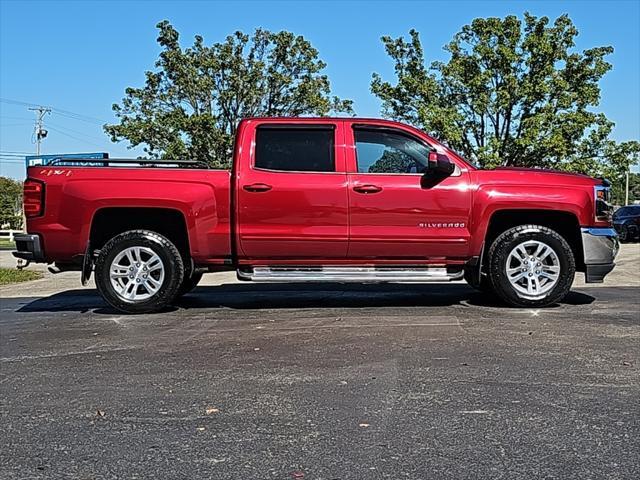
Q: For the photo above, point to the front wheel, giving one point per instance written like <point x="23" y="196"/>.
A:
<point x="139" y="271"/>
<point x="531" y="266"/>
<point x="623" y="236"/>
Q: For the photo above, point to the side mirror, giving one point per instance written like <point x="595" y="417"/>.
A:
<point x="439" y="165"/>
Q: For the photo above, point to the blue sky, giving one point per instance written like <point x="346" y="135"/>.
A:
<point x="79" y="56"/>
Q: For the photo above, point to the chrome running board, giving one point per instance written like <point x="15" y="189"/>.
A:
<point x="348" y="274"/>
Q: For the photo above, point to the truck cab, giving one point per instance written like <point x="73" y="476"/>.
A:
<point x="348" y="191"/>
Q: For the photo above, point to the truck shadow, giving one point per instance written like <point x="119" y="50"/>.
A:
<point x="291" y="296"/>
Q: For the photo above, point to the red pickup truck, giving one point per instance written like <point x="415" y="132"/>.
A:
<point x="318" y="199"/>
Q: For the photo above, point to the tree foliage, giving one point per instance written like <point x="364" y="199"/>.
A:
<point x="10" y="203"/>
<point x="621" y="157"/>
<point x="513" y="92"/>
<point x="191" y="104"/>
<point x="618" y="190"/>
<point x="389" y="161"/>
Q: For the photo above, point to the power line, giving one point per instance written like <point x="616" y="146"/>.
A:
<point x="40" y="133"/>
<point x="76" y="131"/>
<point x="59" y="111"/>
<point x="76" y="138"/>
<point x="77" y="116"/>
<point x="16" y="102"/>
<point x="9" y="117"/>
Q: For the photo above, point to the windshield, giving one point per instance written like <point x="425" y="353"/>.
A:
<point x="625" y="211"/>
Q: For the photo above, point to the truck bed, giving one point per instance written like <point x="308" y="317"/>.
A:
<point x="76" y="200"/>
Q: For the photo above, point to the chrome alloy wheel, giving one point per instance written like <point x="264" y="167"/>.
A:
<point x="533" y="269"/>
<point x="136" y="274"/>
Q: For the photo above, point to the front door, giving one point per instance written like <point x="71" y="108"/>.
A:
<point x="292" y="199"/>
<point x="393" y="214"/>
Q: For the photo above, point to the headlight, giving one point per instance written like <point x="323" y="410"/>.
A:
<point x="604" y="210"/>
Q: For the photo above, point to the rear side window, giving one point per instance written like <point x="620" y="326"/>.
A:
<point x="295" y="149"/>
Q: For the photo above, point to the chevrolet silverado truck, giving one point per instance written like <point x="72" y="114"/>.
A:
<point x="318" y="199"/>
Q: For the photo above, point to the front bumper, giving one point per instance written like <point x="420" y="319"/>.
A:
<point x="600" y="247"/>
<point x="28" y="247"/>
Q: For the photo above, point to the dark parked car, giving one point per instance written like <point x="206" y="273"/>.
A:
<point x="626" y="220"/>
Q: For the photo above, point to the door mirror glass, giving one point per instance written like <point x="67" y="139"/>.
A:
<point x="439" y="165"/>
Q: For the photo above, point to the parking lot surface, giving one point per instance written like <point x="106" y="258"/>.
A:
<point x="321" y="382"/>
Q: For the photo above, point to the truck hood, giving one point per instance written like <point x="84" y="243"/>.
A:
<point x="540" y="170"/>
<point x="547" y="173"/>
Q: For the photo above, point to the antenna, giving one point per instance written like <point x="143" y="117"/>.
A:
<point x="39" y="131"/>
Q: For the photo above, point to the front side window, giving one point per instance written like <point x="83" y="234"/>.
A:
<point x="388" y="151"/>
<point x="295" y="149"/>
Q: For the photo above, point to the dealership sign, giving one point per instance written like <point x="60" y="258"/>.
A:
<point x="62" y="158"/>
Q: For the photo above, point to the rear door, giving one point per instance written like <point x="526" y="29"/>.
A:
<point x="292" y="203"/>
<point x="394" y="215"/>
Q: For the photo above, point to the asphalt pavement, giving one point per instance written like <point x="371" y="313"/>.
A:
<point x="332" y="381"/>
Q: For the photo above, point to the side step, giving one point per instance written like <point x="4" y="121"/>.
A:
<point x="349" y="274"/>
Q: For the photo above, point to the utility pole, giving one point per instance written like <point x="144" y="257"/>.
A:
<point x="626" y="188"/>
<point x="39" y="132"/>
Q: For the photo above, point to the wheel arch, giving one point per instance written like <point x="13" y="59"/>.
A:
<point x="564" y="222"/>
<point x="108" y="222"/>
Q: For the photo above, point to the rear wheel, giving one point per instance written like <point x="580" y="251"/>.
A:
<point x="531" y="266"/>
<point x="139" y="271"/>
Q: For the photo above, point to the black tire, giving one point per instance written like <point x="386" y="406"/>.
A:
<point x="623" y="236"/>
<point x="171" y="262"/>
<point x="499" y="254"/>
<point x="189" y="283"/>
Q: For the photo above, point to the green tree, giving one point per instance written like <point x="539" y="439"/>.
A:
<point x="10" y="203"/>
<point x="634" y="187"/>
<point x="618" y="160"/>
<point x="191" y="104"/>
<point x="513" y="92"/>
<point x="618" y="189"/>
<point x="389" y="161"/>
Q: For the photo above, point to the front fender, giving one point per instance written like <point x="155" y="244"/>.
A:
<point x="490" y="199"/>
